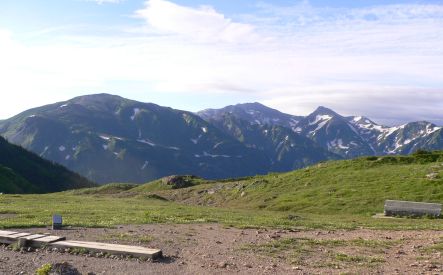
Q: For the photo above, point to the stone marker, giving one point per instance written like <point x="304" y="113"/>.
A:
<point x="57" y="222"/>
<point x="414" y="209"/>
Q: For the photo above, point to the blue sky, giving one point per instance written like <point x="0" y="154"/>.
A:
<point x="382" y="59"/>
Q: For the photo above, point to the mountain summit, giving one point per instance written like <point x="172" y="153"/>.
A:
<point x="254" y="113"/>
<point x="111" y="139"/>
<point x="108" y="138"/>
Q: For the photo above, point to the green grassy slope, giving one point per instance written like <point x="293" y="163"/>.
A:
<point x="349" y="187"/>
<point x="336" y="194"/>
<point x="24" y="172"/>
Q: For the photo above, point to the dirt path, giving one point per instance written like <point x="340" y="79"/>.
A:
<point x="214" y="249"/>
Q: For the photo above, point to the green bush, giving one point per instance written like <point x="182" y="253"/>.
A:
<point x="44" y="270"/>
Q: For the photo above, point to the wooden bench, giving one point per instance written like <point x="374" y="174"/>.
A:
<point x="412" y="209"/>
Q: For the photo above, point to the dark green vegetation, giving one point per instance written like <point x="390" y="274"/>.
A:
<point x="336" y="194"/>
<point x="25" y="172"/>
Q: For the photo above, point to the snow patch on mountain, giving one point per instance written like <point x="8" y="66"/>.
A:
<point x="136" y="112"/>
<point x="206" y="154"/>
<point x="337" y="143"/>
<point x="319" y="126"/>
<point x="145" y="165"/>
<point x="44" y="150"/>
<point x="320" y="118"/>
<point x="147" y="141"/>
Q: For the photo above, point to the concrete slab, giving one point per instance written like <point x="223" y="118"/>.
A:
<point x="410" y="208"/>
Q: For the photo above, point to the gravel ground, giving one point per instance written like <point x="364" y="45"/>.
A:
<point x="214" y="249"/>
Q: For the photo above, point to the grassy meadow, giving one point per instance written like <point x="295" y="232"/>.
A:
<point x="337" y="194"/>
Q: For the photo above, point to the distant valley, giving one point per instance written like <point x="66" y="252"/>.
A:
<point x="108" y="138"/>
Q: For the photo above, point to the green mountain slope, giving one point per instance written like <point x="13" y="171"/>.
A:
<point x="108" y="138"/>
<point x="357" y="186"/>
<point x="24" y="172"/>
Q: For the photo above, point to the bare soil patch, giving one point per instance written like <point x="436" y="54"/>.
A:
<point x="214" y="249"/>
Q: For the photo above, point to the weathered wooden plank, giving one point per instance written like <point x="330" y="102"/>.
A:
<point x="5" y="233"/>
<point x="19" y="235"/>
<point x="33" y="237"/>
<point x="39" y="240"/>
<point x="48" y="239"/>
<point x="12" y="238"/>
<point x="114" y="249"/>
<point x="408" y="208"/>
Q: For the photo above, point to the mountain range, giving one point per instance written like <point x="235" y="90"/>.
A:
<point x="25" y="172"/>
<point x="108" y="138"/>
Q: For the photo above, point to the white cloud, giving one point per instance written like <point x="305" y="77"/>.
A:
<point x="204" y="24"/>
<point x="293" y="59"/>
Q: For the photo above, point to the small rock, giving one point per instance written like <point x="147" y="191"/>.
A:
<point x="222" y="265"/>
<point x="247" y="265"/>
<point x="296" y="268"/>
